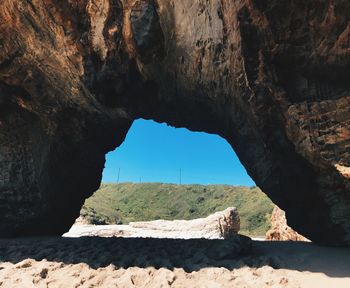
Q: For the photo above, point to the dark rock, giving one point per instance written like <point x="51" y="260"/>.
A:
<point x="271" y="77"/>
<point x="147" y="32"/>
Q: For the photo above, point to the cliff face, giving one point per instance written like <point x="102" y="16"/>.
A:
<point x="271" y="77"/>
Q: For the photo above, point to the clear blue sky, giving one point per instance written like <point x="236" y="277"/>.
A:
<point x="156" y="152"/>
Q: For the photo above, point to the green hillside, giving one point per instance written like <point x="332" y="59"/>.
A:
<point x="127" y="202"/>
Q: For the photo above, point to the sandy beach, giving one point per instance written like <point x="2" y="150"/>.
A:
<point x="144" y="262"/>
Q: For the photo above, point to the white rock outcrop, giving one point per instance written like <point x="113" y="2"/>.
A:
<point x="224" y="224"/>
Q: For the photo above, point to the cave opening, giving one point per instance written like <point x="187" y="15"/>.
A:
<point x="162" y="172"/>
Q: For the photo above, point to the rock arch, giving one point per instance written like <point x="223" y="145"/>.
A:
<point x="271" y="77"/>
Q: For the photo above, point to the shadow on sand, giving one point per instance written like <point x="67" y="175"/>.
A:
<point x="191" y="255"/>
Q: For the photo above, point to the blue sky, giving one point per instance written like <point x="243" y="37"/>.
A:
<point x="155" y="152"/>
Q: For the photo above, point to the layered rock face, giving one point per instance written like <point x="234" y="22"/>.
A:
<point x="271" y="77"/>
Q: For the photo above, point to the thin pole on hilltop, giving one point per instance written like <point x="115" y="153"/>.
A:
<point x="180" y="177"/>
<point x="118" y="176"/>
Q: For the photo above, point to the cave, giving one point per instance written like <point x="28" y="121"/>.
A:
<point x="159" y="158"/>
<point x="270" y="77"/>
<point x="165" y="173"/>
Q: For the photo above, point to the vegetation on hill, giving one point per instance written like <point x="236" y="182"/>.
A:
<point x="128" y="202"/>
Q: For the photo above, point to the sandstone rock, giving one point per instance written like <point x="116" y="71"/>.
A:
<point x="223" y="224"/>
<point x="280" y="231"/>
<point x="271" y="77"/>
<point x="81" y="221"/>
<point x="220" y="225"/>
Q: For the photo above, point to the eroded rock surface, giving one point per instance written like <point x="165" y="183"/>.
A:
<point x="280" y="231"/>
<point x="271" y="77"/>
<point x="220" y="225"/>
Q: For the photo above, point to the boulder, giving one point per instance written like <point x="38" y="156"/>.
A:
<point x="224" y="224"/>
<point x="220" y="225"/>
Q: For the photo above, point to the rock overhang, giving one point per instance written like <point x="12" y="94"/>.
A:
<point x="77" y="73"/>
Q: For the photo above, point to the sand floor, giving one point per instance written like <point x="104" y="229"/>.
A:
<point x="140" y="262"/>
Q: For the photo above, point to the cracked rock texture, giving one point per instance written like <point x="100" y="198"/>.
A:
<point x="271" y="77"/>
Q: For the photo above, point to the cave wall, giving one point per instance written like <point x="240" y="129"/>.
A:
<point x="271" y="77"/>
